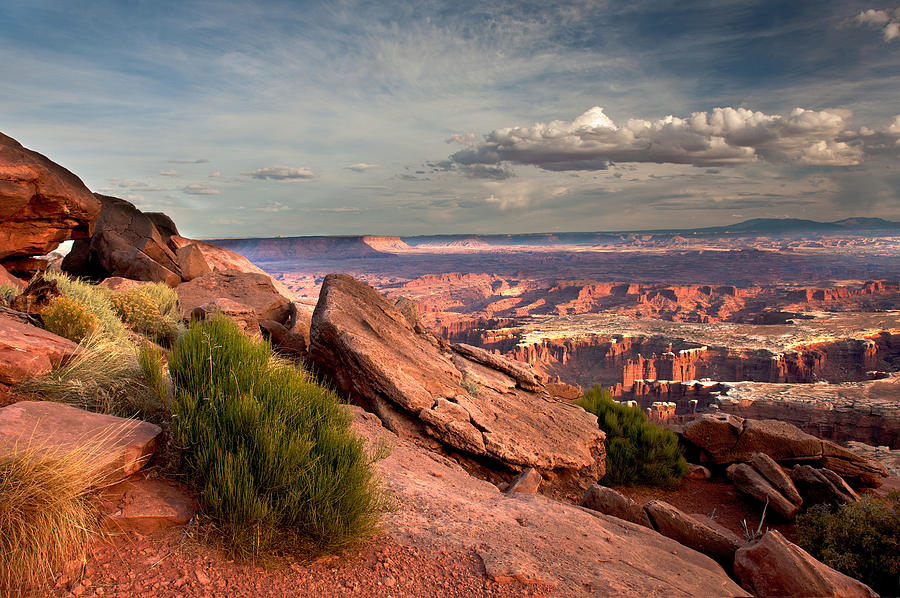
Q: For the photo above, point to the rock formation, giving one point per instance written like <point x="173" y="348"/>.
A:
<point x="27" y="351"/>
<point x="467" y="400"/>
<point x="41" y="203"/>
<point x="775" y="567"/>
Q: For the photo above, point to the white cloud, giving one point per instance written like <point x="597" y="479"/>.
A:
<point x="172" y="173"/>
<point x="724" y="136"/>
<point x="889" y="25"/>
<point x="180" y="161"/>
<point x="361" y="167"/>
<point x="282" y="173"/>
<point x="215" y="175"/>
<point x="198" y="189"/>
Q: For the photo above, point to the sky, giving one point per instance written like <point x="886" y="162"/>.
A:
<point x="343" y="117"/>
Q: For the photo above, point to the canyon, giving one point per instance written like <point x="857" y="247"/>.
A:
<point x="799" y="324"/>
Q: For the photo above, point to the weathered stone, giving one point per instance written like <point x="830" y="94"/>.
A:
<point x="27" y="351"/>
<point x="615" y="504"/>
<point x="816" y="488"/>
<point x="750" y="482"/>
<point x="191" y="261"/>
<point x="780" y="440"/>
<point x="776" y="476"/>
<point x="527" y="537"/>
<point x="775" y="567"/>
<point x="370" y="352"/>
<point x="522" y="373"/>
<point x="285" y="342"/>
<point x="117" y="283"/>
<point x="125" y="243"/>
<point x="698" y="472"/>
<point x="683" y="528"/>
<point x="146" y="505"/>
<point x="242" y="315"/>
<point x="8" y="279"/>
<point x="838" y="482"/>
<point x="863" y="470"/>
<point x="118" y="447"/>
<point x="249" y="288"/>
<point x="41" y="203"/>
<point x="527" y="482"/>
<point x="715" y="434"/>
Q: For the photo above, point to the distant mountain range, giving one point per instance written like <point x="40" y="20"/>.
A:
<point x="787" y="225"/>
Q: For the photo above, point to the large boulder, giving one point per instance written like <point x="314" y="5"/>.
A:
<point x="116" y="447"/>
<point x="126" y="243"/>
<point x="776" y="476"/>
<point x="563" y="549"/>
<point x="421" y="388"/>
<point x="773" y="566"/>
<point x="725" y="438"/>
<point x="248" y="288"/>
<point x="821" y="486"/>
<point x="687" y="530"/>
<point x="41" y="203"/>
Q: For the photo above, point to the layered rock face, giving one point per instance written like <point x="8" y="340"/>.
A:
<point x="481" y="405"/>
<point x="41" y="203"/>
<point x="28" y="351"/>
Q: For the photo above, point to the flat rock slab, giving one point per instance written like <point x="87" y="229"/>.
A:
<point x="119" y="446"/>
<point x="685" y="529"/>
<point x="145" y="505"/>
<point x="528" y="537"/>
<point x="27" y="351"/>
<point x="249" y="288"/>
<point x="773" y="566"/>
<point x="473" y="402"/>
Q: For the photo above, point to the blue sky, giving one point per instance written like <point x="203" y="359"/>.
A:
<point x="304" y="118"/>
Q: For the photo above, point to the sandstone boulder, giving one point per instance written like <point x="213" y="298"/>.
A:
<point x="861" y="469"/>
<point x="615" y="504"/>
<point x="191" y="262"/>
<point x="564" y="549"/>
<point x="248" y="288"/>
<point x="750" y="482"/>
<point x="774" y="566"/>
<point x="686" y="530"/>
<point x="125" y="243"/>
<point x="242" y="315"/>
<point x="284" y="342"/>
<point x="816" y="488"/>
<point x="776" y="476"/>
<point x="698" y="472"/>
<point x="41" y="203"/>
<point x="146" y="505"/>
<point x="366" y="347"/>
<point x="28" y="351"/>
<point x="8" y="279"/>
<point x="118" y="447"/>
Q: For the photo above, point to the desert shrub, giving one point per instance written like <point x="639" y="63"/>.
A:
<point x="96" y="300"/>
<point x="69" y="318"/>
<point x="152" y="366"/>
<point x="860" y="539"/>
<point x="48" y="513"/>
<point x="271" y="452"/>
<point x="149" y="312"/>
<point x="106" y="376"/>
<point x="637" y="450"/>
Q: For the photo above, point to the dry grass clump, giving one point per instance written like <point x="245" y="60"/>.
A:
<point x="151" y="311"/>
<point x="106" y="376"/>
<point x="48" y="514"/>
<point x="69" y="318"/>
<point x="95" y="299"/>
<point x="7" y="292"/>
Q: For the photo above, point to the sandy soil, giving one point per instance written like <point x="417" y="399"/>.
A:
<point x="172" y="565"/>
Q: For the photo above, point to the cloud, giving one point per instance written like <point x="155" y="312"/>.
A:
<point x="198" y="189"/>
<point x="128" y="184"/>
<point x="722" y="137"/>
<point x="361" y="167"/>
<point x="180" y="161"/>
<point x="172" y="173"/>
<point x="881" y="19"/>
<point x="281" y="173"/>
<point x="215" y="175"/>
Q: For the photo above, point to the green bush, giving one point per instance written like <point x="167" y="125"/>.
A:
<point x="149" y="312"/>
<point x="637" y="450"/>
<point x="69" y="318"/>
<point x="271" y="452"/>
<point x="95" y="299"/>
<point x="860" y="539"/>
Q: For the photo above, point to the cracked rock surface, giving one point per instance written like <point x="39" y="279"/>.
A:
<point x="464" y="398"/>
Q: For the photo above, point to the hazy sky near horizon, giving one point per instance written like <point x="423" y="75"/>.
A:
<point x="347" y="117"/>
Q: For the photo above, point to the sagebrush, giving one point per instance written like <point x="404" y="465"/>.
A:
<point x="96" y="300"/>
<point x="637" y="450"/>
<point x="150" y="310"/>
<point x="271" y="452"/>
<point x="68" y="317"/>
<point x="860" y="539"/>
